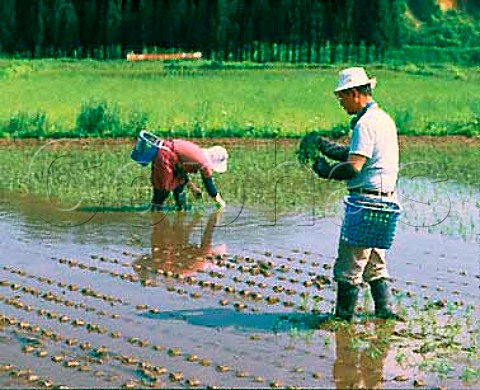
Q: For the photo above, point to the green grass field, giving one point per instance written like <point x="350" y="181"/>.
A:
<point x="233" y="101"/>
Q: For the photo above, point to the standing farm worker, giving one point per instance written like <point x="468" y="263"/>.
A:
<point x="172" y="164"/>
<point x="369" y="165"/>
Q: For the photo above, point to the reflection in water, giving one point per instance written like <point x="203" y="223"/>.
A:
<point x="173" y="248"/>
<point x="360" y="357"/>
<point x="274" y="322"/>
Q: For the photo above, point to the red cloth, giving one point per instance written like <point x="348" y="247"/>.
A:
<point x="178" y="155"/>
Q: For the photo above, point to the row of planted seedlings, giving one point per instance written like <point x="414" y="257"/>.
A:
<point x="309" y="256"/>
<point x="28" y="377"/>
<point x="147" y="376"/>
<point x="72" y="363"/>
<point x="261" y="267"/>
<point x="82" y="363"/>
<point x="264" y="267"/>
<point x="145" y="373"/>
<point x="206" y="284"/>
<point x="444" y="344"/>
<point x="14" y="371"/>
<point x="37" y="335"/>
<point x="467" y="279"/>
<point x="243" y="297"/>
<point x="264" y="280"/>
<point x="177" y="277"/>
<point x="247" y="272"/>
<point x="255" y="269"/>
<point x="150" y="374"/>
<point x="441" y="330"/>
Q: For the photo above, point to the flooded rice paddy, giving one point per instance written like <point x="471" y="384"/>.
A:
<point x="233" y="298"/>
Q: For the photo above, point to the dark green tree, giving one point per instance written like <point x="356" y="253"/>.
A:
<point x="201" y="26"/>
<point x="87" y="13"/>
<point x="61" y="28"/>
<point x="68" y="39"/>
<point x="366" y="21"/>
<point x="262" y="20"/>
<point x="227" y="27"/>
<point x="396" y="19"/>
<point x="178" y="20"/>
<point x="112" y="27"/>
<point x="146" y="11"/>
<point x="472" y="6"/>
<point x="8" y="21"/>
<point x="131" y="29"/>
<point x="31" y="26"/>
<point x="101" y="27"/>
<point x="388" y="23"/>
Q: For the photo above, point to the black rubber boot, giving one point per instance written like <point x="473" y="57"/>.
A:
<point x="158" y="197"/>
<point x="180" y="198"/>
<point x="380" y="295"/>
<point x="347" y="295"/>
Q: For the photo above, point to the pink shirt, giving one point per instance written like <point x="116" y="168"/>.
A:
<point x="192" y="158"/>
<point x="181" y="154"/>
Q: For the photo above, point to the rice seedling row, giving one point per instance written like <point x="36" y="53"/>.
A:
<point x="414" y="334"/>
<point x="262" y="270"/>
<point x="319" y="281"/>
<point x="173" y="351"/>
<point x="104" y="353"/>
<point x="418" y="331"/>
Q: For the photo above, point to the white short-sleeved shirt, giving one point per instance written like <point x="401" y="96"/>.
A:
<point x="375" y="137"/>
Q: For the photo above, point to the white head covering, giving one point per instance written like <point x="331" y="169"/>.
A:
<point x="354" y="77"/>
<point x="218" y="157"/>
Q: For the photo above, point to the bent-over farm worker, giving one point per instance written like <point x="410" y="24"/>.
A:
<point x="369" y="165"/>
<point x="172" y="164"/>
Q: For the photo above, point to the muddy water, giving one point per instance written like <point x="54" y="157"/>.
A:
<point x="221" y="299"/>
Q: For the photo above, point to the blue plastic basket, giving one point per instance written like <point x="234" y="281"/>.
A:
<point x="146" y="148"/>
<point x="369" y="222"/>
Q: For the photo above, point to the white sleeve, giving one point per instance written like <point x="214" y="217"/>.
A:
<point x="362" y="140"/>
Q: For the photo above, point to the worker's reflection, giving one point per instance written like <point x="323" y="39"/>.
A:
<point x="360" y="356"/>
<point x="173" y="248"/>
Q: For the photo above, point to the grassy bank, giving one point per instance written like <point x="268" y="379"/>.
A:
<point x="57" y="98"/>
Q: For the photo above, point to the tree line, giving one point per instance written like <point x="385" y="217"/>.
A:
<point x="112" y="28"/>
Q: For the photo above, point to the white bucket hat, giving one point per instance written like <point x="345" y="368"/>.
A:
<point x="218" y="157"/>
<point x="354" y="77"/>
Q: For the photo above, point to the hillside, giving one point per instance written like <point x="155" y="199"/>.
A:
<point x="470" y="6"/>
<point x="424" y="9"/>
<point x="445" y="5"/>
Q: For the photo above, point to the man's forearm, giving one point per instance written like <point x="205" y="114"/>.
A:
<point x="339" y="171"/>
<point x="333" y="150"/>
